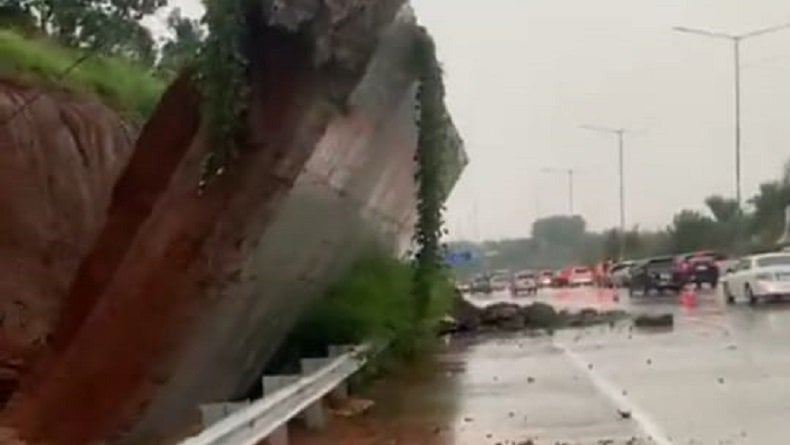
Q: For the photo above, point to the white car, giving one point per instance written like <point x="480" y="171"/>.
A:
<point x="620" y="274"/>
<point x="758" y="277"/>
<point x="500" y="281"/>
<point x="526" y="281"/>
<point x="546" y="278"/>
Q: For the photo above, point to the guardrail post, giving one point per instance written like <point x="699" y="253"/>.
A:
<point x="314" y="415"/>
<point x="341" y="392"/>
<point x="284" y="396"/>
<point x="272" y="383"/>
<point x="212" y="413"/>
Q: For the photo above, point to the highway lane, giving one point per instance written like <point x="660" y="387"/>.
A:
<point x="720" y="376"/>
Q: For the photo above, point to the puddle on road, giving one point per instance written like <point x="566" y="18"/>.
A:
<point x="497" y="389"/>
<point x="729" y="364"/>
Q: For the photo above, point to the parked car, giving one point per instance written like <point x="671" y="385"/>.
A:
<point x="698" y="268"/>
<point x="501" y="281"/>
<point x="546" y="278"/>
<point x="654" y="274"/>
<point x="480" y="284"/>
<point x="581" y="276"/>
<point x="620" y="274"/>
<point x="563" y="277"/>
<point x="526" y="281"/>
<point x="758" y="277"/>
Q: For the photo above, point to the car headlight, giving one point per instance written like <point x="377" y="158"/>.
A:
<point x="764" y="277"/>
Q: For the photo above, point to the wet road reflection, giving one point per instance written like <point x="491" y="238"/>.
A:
<point x="720" y="376"/>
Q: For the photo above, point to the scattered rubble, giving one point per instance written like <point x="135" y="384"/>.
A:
<point x="654" y="321"/>
<point x="624" y="414"/>
<point x="352" y="407"/>
<point x="505" y="316"/>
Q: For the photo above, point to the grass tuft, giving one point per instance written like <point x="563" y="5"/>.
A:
<point x="127" y="87"/>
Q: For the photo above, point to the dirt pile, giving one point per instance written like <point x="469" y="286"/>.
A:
<point x="60" y="155"/>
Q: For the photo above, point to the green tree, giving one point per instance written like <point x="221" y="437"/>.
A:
<point x="767" y="222"/>
<point x="724" y="210"/>
<point x="113" y="26"/>
<point x="691" y="230"/>
<point x="729" y="219"/>
<point x="187" y="39"/>
<point x="559" y="230"/>
<point x="13" y="15"/>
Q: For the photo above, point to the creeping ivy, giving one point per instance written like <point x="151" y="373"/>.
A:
<point x="431" y="142"/>
<point x="223" y="78"/>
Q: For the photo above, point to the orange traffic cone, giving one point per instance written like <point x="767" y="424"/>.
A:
<point x="688" y="296"/>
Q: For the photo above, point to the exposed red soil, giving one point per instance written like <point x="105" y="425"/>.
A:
<point x="60" y="155"/>
<point x="161" y="146"/>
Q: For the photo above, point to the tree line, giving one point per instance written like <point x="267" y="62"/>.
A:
<point x="562" y="240"/>
<point x="109" y="27"/>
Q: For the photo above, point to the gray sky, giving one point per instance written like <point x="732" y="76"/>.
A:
<point x="522" y="75"/>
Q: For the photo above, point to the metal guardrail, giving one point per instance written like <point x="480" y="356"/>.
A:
<point x="258" y="420"/>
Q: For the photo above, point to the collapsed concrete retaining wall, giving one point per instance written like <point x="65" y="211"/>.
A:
<point x="184" y="297"/>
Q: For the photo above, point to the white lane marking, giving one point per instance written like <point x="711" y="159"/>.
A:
<point x="639" y="415"/>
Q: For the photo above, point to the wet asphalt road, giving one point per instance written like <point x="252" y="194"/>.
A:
<point x="720" y="376"/>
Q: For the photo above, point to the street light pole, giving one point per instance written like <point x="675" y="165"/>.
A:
<point x="620" y="132"/>
<point x="736" y="43"/>
<point x="570" y="190"/>
<point x="569" y="172"/>
<point x="622" y="189"/>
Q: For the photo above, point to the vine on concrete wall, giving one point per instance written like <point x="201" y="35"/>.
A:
<point x="222" y="76"/>
<point x="432" y="126"/>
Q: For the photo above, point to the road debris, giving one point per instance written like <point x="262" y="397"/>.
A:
<point x="352" y="407"/>
<point x="624" y="414"/>
<point x="506" y="316"/>
<point x="654" y="321"/>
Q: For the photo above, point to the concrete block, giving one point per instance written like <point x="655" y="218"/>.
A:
<point x="338" y="350"/>
<point x="272" y="383"/>
<point x="311" y="365"/>
<point x="315" y="416"/>
<point x="212" y="413"/>
<point x="340" y="392"/>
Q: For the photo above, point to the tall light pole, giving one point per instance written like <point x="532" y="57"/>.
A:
<point x="736" y="40"/>
<point x="569" y="172"/>
<point x="620" y="132"/>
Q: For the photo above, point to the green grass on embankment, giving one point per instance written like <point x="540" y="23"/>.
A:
<point x="372" y="301"/>
<point x="127" y="87"/>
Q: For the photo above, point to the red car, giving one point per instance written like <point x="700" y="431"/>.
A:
<point x="698" y="268"/>
<point x="581" y="276"/>
<point x="563" y="277"/>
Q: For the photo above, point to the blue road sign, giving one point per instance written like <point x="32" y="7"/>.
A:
<point x="459" y="258"/>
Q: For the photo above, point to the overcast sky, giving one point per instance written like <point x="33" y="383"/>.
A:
<point x="522" y="75"/>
